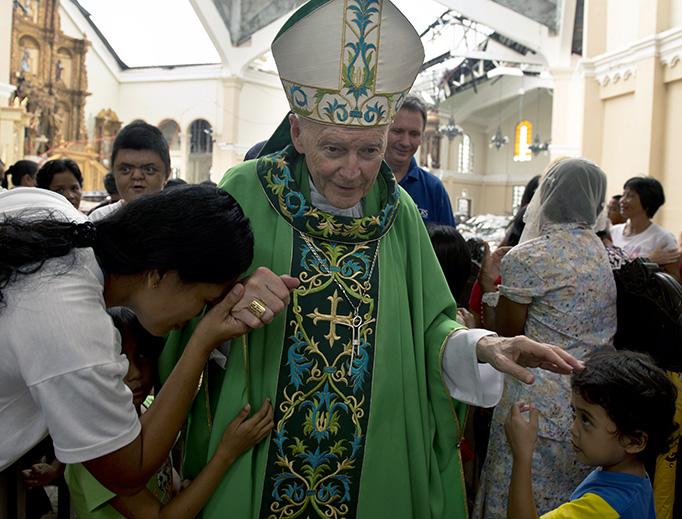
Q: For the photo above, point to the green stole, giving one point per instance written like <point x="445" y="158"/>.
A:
<point x="324" y="391"/>
<point x="337" y="429"/>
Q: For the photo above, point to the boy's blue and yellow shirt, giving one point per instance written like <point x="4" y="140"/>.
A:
<point x="609" y="495"/>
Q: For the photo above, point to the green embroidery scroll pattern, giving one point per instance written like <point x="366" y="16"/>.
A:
<point x="321" y="411"/>
<point x="280" y="187"/>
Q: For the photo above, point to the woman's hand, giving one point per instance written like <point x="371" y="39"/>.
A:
<point x="663" y="255"/>
<point x="218" y="324"/>
<point x="466" y="318"/>
<point x="490" y="268"/>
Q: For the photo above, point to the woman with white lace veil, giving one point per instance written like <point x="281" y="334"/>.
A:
<point x="557" y="287"/>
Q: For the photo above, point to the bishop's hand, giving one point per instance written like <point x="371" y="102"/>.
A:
<point x="512" y="355"/>
<point x="265" y="296"/>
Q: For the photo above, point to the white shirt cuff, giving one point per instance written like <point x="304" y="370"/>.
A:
<point x="468" y="380"/>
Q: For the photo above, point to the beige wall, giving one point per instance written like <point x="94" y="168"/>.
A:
<point x="618" y="134"/>
<point x="262" y="107"/>
<point x="670" y="215"/>
<point x="621" y="25"/>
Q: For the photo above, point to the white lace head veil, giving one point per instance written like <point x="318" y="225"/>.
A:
<point x="572" y="191"/>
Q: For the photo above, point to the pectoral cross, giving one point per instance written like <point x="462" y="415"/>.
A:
<point x="356" y="326"/>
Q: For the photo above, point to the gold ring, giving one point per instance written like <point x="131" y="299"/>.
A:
<point x="257" y="308"/>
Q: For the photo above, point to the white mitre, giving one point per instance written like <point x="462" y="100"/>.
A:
<point x="347" y="62"/>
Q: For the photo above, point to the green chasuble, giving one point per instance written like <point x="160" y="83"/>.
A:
<point x="364" y="425"/>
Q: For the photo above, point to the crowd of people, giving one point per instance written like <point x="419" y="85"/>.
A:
<point x="314" y="327"/>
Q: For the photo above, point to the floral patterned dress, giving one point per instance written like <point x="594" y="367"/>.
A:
<point x="565" y="278"/>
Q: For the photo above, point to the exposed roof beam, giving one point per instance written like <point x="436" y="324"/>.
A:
<point x="515" y="26"/>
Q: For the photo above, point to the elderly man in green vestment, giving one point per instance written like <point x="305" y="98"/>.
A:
<point x="367" y="368"/>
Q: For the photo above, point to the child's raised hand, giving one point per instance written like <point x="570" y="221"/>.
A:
<point x="522" y="433"/>
<point x="243" y="433"/>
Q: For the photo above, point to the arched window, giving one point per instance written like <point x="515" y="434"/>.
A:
<point x="466" y="155"/>
<point x="171" y="131"/>
<point x="524" y="134"/>
<point x="201" y="137"/>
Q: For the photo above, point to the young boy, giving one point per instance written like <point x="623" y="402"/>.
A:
<point x="91" y="500"/>
<point x="623" y="406"/>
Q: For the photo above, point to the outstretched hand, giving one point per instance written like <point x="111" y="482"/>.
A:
<point x="269" y="289"/>
<point x="512" y="355"/>
<point x="521" y="433"/>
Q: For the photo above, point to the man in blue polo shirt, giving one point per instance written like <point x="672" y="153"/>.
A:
<point x="404" y="137"/>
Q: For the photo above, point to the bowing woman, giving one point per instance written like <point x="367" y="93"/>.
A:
<point x="166" y="256"/>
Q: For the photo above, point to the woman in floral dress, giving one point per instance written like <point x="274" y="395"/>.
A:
<point x="557" y="287"/>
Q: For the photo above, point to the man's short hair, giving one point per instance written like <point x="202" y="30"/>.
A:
<point x="650" y="193"/>
<point x="416" y="104"/>
<point x="142" y="136"/>
<point x="636" y="394"/>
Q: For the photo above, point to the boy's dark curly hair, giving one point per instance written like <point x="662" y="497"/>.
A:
<point x="636" y="394"/>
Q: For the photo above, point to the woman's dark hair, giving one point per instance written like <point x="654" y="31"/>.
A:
<point x="174" y="182"/>
<point x="650" y="193"/>
<point x="20" y="169"/>
<point x="142" y="136"/>
<point x="516" y="226"/>
<point x="453" y="255"/>
<point x="529" y="191"/>
<point x="636" y="394"/>
<point x="53" y="167"/>
<point x="199" y="231"/>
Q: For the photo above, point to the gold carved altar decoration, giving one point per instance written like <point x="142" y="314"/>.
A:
<point x="107" y="126"/>
<point x="48" y="69"/>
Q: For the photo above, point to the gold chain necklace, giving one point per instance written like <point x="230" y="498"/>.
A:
<point x="357" y="322"/>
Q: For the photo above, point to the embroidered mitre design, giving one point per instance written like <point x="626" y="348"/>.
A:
<point x="348" y="63"/>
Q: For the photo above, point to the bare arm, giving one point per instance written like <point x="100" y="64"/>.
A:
<point x="487" y="276"/>
<point x="127" y="470"/>
<point x="521" y="435"/>
<point x="241" y="434"/>
<point x="510" y="317"/>
<point x="674" y="270"/>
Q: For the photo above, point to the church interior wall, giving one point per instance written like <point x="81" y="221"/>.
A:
<point x="262" y="107"/>
<point x="182" y="101"/>
<point x="671" y="213"/>
<point x="589" y="115"/>
<point x="495" y="172"/>
<point x="104" y="90"/>
<point x="621" y="24"/>
<point x="675" y="13"/>
<point x="619" y="143"/>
